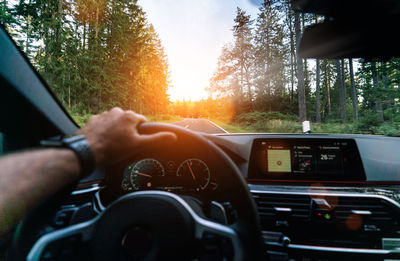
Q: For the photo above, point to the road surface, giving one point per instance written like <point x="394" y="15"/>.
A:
<point x="201" y="125"/>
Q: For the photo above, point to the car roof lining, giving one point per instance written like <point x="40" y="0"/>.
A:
<point x="350" y="29"/>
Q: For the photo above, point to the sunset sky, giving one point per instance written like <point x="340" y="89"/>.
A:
<point x="193" y="34"/>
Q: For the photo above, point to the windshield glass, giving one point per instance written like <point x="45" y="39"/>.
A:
<point x="233" y="63"/>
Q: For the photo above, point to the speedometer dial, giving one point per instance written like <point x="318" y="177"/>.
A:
<point x="142" y="173"/>
<point x="195" y="170"/>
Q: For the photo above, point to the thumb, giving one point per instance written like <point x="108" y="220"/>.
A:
<point x="158" y="139"/>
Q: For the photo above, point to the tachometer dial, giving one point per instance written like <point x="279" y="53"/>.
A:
<point x="196" y="170"/>
<point x="141" y="173"/>
<point x="126" y="184"/>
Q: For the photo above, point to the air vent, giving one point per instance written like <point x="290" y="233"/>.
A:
<point x="330" y="220"/>
<point x="282" y="210"/>
<point x="373" y="214"/>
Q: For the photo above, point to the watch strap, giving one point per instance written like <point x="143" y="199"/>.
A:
<point x="79" y="145"/>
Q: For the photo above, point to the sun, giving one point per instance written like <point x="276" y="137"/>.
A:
<point x="187" y="83"/>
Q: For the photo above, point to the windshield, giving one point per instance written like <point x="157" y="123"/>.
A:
<point x="233" y="63"/>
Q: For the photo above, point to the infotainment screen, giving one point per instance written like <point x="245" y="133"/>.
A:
<point x="278" y="159"/>
<point x="309" y="159"/>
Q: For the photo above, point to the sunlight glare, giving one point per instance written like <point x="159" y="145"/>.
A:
<point x="193" y="36"/>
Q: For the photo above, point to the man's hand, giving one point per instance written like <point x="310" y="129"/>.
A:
<point x="113" y="136"/>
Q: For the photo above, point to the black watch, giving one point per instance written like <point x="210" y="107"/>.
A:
<point x="79" y="145"/>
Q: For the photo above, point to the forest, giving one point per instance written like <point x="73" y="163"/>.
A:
<point x="94" y="54"/>
<point x="100" y="54"/>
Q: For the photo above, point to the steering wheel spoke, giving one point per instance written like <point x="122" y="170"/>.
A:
<point x="74" y="234"/>
<point x="203" y="226"/>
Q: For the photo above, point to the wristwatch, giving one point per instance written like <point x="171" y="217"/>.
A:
<point x="79" y="145"/>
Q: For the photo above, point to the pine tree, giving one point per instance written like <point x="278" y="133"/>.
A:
<point x="235" y="75"/>
<point x="300" y="74"/>
<point x="353" y="91"/>
<point x="269" y="57"/>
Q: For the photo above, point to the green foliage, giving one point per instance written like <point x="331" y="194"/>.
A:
<point x="166" y="118"/>
<point x="78" y="117"/>
<point x="389" y="129"/>
<point x="269" y="122"/>
<point x="331" y="127"/>
<point x="258" y="116"/>
<point x="369" y="124"/>
<point x="94" y="54"/>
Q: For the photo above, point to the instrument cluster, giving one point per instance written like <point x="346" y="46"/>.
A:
<point x="191" y="174"/>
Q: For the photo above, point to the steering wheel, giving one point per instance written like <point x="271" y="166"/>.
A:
<point x="158" y="225"/>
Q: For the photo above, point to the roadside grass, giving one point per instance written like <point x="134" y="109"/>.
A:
<point x="79" y="118"/>
<point x="164" y="118"/>
<point x="275" y="122"/>
<point x="232" y="128"/>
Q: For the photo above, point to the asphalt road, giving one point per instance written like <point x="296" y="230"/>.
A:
<point x="201" y="125"/>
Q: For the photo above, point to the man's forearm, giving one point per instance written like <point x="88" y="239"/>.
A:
<point x="29" y="177"/>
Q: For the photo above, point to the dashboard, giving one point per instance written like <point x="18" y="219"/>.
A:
<point x="337" y="196"/>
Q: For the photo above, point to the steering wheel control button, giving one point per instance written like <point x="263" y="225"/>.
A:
<point x="63" y="217"/>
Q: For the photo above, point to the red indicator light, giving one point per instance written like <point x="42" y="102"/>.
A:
<point x="344" y="159"/>
<point x="319" y="214"/>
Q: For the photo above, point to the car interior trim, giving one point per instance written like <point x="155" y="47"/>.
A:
<point x="328" y="193"/>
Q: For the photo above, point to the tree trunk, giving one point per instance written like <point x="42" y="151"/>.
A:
<point x="344" y="88"/>
<point x="292" y="53"/>
<point x="317" y="94"/>
<point x="57" y="51"/>
<point x="340" y="88"/>
<point x="249" y="91"/>
<point x="59" y="23"/>
<point x="353" y="91"/>
<point x="84" y="37"/>
<point x="292" y="75"/>
<point x="317" y="87"/>
<point x="378" y="103"/>
<point x="300" y="73"/>
<point x="306" y="79"/>
<point x="388" y="102"/>
<point x="328" y="88"/>
<point x="96" y="28"/>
